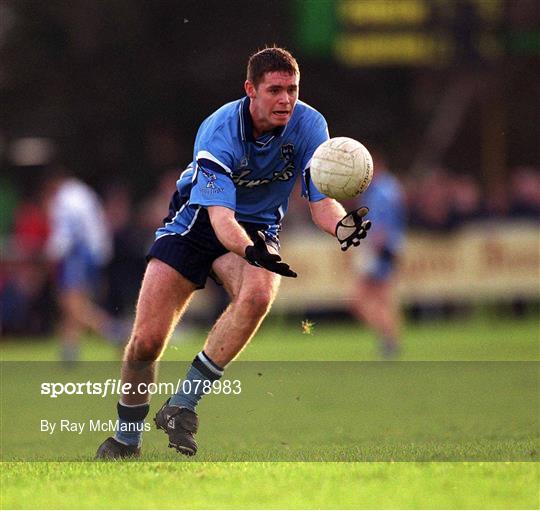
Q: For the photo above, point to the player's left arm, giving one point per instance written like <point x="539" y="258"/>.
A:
<point x="326" y="214"/>
<point x="349" y="228"/>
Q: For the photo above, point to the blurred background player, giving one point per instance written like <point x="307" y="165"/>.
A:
<point x="375" y="302"/>
<point x="78" y="246"/>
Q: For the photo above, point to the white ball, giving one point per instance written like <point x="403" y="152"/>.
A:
<point x="341" y="168"/>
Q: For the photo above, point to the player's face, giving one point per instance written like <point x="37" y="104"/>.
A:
<point x="273" y="100"/>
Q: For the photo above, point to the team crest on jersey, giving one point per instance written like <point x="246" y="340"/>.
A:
<point x="211" y="178"/>
<point x="287" y="151"/>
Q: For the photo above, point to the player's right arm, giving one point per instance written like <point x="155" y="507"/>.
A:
<point x="228" y="231"/>
<point x="235" y="239"/>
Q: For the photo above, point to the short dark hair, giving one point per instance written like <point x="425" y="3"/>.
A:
<point x="270" y="60"/>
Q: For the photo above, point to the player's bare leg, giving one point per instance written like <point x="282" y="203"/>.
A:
<point x="78" y="307"/>
<point x="375" y="304"/>
<point x="252" y="292"/>
<point x="163" y="297"/>
<point x="70" y="330"/>
<point x="79" y="314"/>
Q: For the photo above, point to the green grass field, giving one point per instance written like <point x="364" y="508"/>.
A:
<point x="467" y="404"/>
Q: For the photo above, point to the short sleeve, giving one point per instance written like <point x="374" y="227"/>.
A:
<point x="212" y="178"/>
<point x="318" y="135"/>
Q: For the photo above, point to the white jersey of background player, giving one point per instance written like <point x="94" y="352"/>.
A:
<point x="78" y="223"/>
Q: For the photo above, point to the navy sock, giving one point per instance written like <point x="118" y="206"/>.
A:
<point x="131" y="423"/>
<point x="201" y="374"/>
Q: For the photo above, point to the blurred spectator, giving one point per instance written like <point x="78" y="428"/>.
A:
<point x="466" y="200"/>
<point x="525" y="193"/>
<point x="25" y="299"/>
<point x="79" y="246"/>
<point x="375" y="301"/>
<point x="497" y="201"/>
<point x="31" y="227"/>
<point x="25" y="292"/>
<point x="430" y="201"/>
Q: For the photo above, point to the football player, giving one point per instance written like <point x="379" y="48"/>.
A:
<point x="224" y="222"/>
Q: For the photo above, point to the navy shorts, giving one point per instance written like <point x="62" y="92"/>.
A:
<point x="193" y="253"/>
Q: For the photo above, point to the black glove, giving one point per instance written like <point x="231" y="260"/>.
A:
<point x="258" y="255"/>
<point x="352" y="228"/>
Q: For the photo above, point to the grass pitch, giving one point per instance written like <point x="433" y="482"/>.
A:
<point x="154" y="483"/>
<point x="132" y="485"/>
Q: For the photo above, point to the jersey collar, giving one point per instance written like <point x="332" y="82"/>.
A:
<point x="246" y="126"/>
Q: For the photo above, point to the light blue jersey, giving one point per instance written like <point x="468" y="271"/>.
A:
<point x="386" y="203"/>
<point x="385" y="200"/>
<point x="253" y="177"/>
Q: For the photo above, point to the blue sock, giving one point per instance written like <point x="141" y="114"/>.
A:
<point x="202" y="370"/>
<point x="131" y="423"/>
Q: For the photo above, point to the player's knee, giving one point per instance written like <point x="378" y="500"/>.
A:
<point x="256" y="304"/>
<point x="144" y="348"/>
